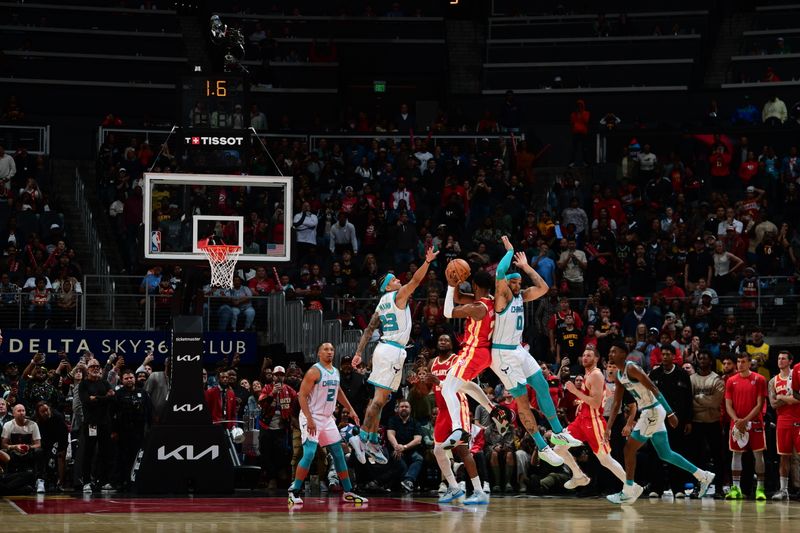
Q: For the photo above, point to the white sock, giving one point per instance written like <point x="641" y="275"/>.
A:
<point x="476" y="484"/>
<point x="444" y="466"/>
<point x="698" y="474"/>
<point x="612" y="465"/>
<point x="784" y="482"/>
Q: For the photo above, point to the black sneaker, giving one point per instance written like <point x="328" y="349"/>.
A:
<point x="456" y="438"/>
<point x="500" y="419"/>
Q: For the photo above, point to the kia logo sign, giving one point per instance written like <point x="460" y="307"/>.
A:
<point x="187" y="358"/>
<point x="215" y="141"/>
<point x="187" y="408"/>
<point x="186" y="453"/>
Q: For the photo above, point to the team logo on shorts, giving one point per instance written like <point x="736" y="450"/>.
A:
<point x="396" y="369"/>
<point x="505" y="370"/>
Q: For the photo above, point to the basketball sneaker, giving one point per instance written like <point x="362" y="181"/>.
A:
<point x="352" y="497"/>
<point x="442" y="487"/>
<point x="375" y="451"/>
<point x="734" y="494"/>
<point x="760" y="494"/>
<point x="781" y="495"/>
<point x="500" y="419"/>
<point x="478" y="498"/>
<point x="451" y="494"/>
<point x="565" y="439"/>
<point x="358" y="448"/>
<point x="706" y="479"/>
<point x="294" y="500"/>
<point x="456" y="438"/>
<point x="549" y="456"/>
<point x="628" y="495"/>
<point x="575" y="482"/>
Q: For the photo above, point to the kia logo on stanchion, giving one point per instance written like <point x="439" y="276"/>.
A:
<point x="187" y="408"/>
<point x="215" y="141"/>
<point x="187" y="358"/>
<point x="186" y="453"/>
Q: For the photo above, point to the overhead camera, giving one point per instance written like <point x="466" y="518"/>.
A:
<point x="231" y="41"/>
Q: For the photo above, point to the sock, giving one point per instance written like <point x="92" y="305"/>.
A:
<point x="612" y="465"/>
<point x="784" y="482"/>
<point x="569" y="460"/>
<point x="539" y="385"/>
<point x="364" y="436"/>
<point x="698" y="474"/>
<point x="760" y="484"/>
<point x="539" y="440"/>
<point x="375" y="438"/>
<point x="735" y="480"/>
<point x="629" y="482"/>
<point x="340" y="463"/>
<point x="476" y="484"/>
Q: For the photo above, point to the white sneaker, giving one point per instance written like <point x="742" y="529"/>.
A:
<point x="486" y="488"/>
<point x="653" y="494"/>
<point x="477" y="498"/>
<point x="463" y="486"/>
<point x="667" y="494"/>
<point x="781" y="495"/>
<point x="680" y="495"/>
<point x="375" y="451"/>
<point x="631" y="493"/>
<point x="549" y="456"/>
<point x="107" y="487"/>
<point x="442" y="488"/>
<point x="509" y="488"/>
<point x="40" y="486"/>
<point x="451" y="495"/>
<point x="706" y="479"/>
<point x="577" y="481"/>
<point x="565" y="439"/>
<point x="87" y="488"/>
<point x="294" y="500"/>
<point x="352" y="497"/>
<point x="358" y="448"/>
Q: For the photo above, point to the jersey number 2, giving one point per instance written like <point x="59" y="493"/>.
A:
<point x="331" y="395"/>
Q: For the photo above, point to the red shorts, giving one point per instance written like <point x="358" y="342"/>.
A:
<point x="757" y="441"/>
<point x="443" y="426"/>
<point x="590" y="429"/>
<point x="788" y="439"/>
<point x="471" y="362"/>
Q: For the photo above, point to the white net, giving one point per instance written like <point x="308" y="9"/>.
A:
<point x="222" y="259"/>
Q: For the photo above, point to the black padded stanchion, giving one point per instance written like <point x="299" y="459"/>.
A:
<point x="185" y="452"/>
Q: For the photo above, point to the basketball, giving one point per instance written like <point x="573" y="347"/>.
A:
<point x="457" y="271"/>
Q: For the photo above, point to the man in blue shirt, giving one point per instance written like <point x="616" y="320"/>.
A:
<point x="544" y="265"/>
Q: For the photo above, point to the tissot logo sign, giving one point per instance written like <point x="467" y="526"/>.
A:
<point x="187" y="453"/>
<point x="215" y="141"/>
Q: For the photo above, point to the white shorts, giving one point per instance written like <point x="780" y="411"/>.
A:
<point x="387" y="366"/>
<point x="651" y="421"/>
<point x="514" y="367"/>
<point x="327" y="432"/>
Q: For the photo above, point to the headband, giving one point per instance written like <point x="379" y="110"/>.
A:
<point x="389" y="278"/>
<point x="513" y="275"/>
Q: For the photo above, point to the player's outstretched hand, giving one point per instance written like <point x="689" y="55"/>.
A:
<point x="356" y="360"/>
<point x="431" y="253"/>
<point x="507" y="243"/>
<point x="520" y="260"/>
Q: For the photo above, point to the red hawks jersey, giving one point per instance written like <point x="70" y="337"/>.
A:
<point x="584" y="411"/>
<point x="478" y="333"/>
<point x="439" y="369"/>
<point x="787" y="414"/>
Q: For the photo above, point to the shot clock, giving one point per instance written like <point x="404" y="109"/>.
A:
<point x="214" y="101"/>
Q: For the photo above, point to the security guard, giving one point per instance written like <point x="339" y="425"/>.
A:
<point x="131" y="417"/>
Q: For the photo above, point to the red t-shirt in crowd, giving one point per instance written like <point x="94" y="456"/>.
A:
<point x="744" y="393"/>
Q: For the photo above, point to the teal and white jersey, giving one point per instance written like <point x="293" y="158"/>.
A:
<point x="322" y="400"/>
<point x="395" y="322"/>
<point x="508" y="324"/>
<point x="643" y="396"/>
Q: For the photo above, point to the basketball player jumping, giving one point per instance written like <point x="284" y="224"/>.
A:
<point x="393" y="317"/>
<point x="653" y="410"/>
<point x="318" y="395"/>
<point x="590" y="426"/>
<point x="433" y="376"/>
<point x="515" y="367"/>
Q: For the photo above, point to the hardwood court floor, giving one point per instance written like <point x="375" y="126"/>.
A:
<point x="390" y="515"/>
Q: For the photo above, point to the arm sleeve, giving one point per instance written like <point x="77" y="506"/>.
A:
<point x="504" y="264"/>
<point x="448" y="302"/>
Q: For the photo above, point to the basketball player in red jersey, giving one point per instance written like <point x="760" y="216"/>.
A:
<point x="476" y="352"/>
<point x="433" y="376"/>
<point x="589" y="426"/>
<point x="787" y="434"/>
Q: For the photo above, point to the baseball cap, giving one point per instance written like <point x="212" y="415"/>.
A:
<point x="278" y="370"/>
<point x="653" y="331"/>
<point x="638" y="299"/>
<point x="305" y="272"/>
<point x="347" y="359"/>
<point x="708" y="293"/>
<point x="670" y="315"/>
<point x="751" y="189"/>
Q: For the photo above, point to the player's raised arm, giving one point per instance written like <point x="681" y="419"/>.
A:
<point x="540" y="286"/>
<point x="405" y="292"/>
<point x="502" y="292"/>
<point x="374" y="322"/>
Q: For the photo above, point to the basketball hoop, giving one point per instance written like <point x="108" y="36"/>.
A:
<point x="222" y="258"/>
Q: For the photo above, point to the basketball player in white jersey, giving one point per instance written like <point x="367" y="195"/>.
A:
<point x="393" y="317"/>
<point x="515" y="367"/>
<point x="318" y="395"/>
<point x="653" y="411"/>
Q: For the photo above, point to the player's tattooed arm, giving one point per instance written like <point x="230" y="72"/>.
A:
<point x="374" y="322"/>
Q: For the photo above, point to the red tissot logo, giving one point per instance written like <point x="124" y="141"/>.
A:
<point x="195" y="140"/>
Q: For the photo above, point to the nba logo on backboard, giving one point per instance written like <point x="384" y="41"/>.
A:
<point x="155" y="241"/>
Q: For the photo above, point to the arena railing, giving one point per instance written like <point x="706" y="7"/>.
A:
<point x="313" y="140"/>
<point x="36" y="139"/>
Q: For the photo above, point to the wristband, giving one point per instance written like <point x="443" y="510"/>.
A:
<point x="663" y="402"/>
